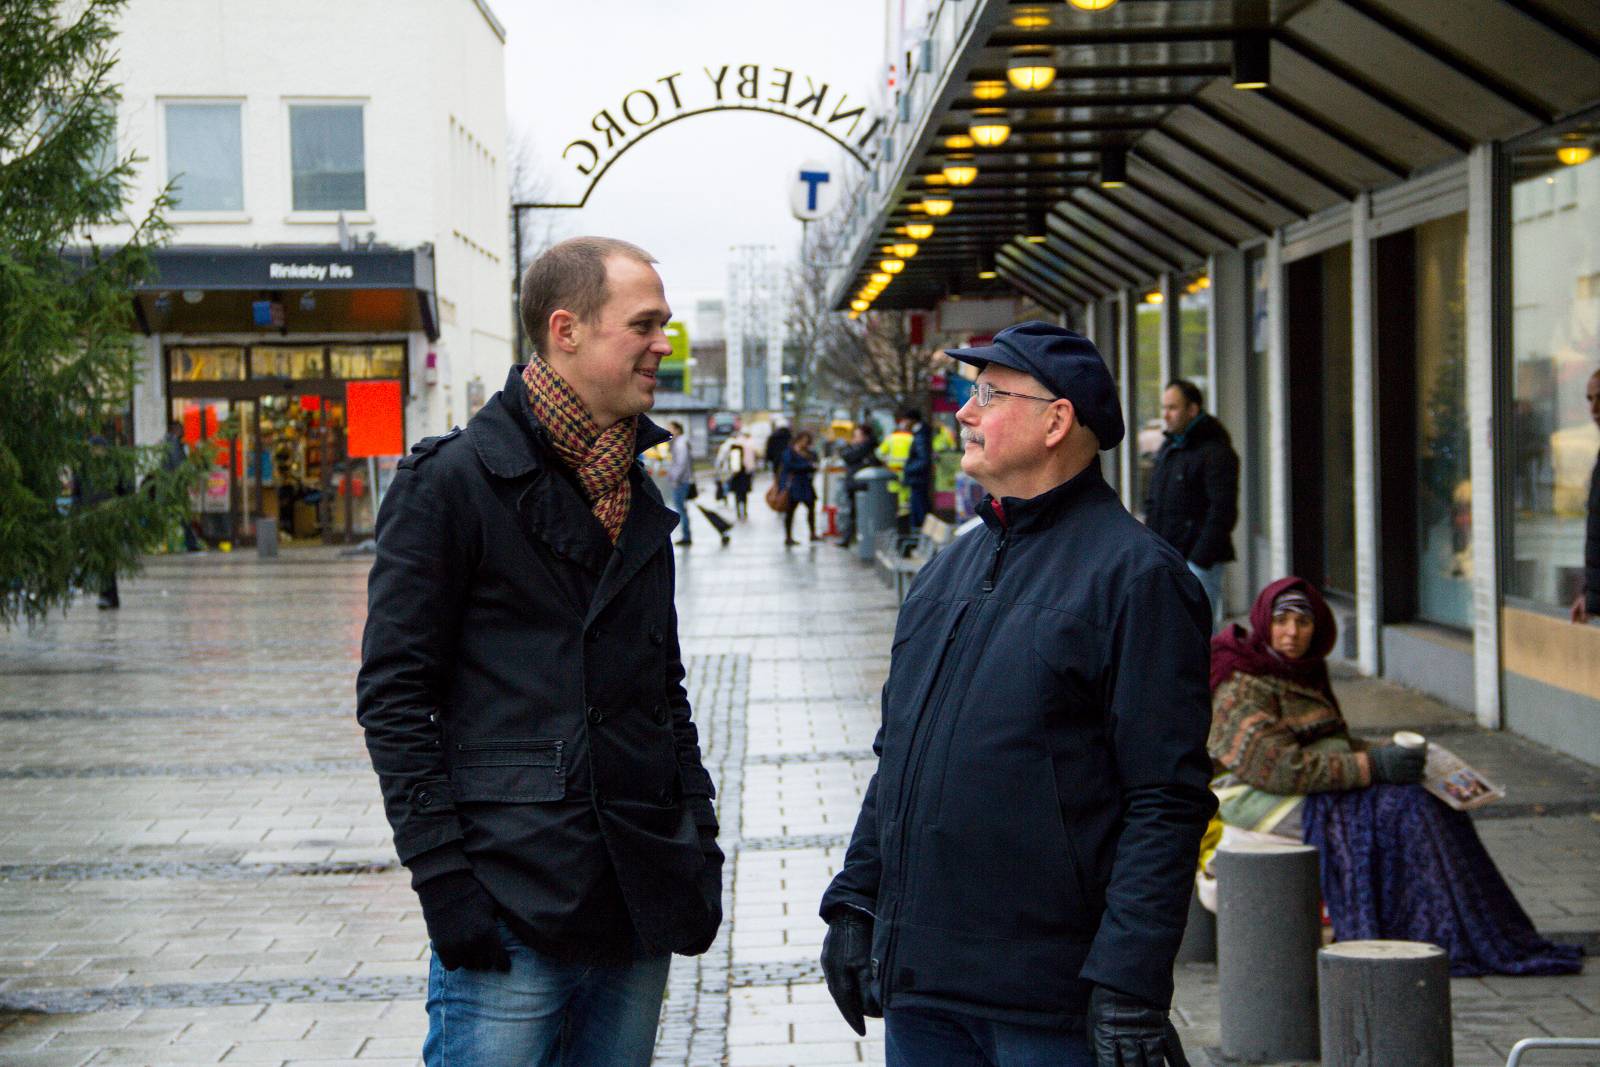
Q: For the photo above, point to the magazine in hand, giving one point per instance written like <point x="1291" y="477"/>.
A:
<point x="1455" y="782"/>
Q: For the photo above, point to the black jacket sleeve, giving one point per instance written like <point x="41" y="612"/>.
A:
<point x="1221" y="476"/>
<point x="414" y="597"/>
<point x="1591" y="546"/>
<point x="1158" y="715"/>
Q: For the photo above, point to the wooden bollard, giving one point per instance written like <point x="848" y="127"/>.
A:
<point x="1385" y="1002"/>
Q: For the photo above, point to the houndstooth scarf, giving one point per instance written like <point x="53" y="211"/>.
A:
<point x="600" y="459"/>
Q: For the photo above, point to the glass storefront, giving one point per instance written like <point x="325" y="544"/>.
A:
<point x="1555" y="343"/>
<point x="1194" y="324"/>
<point x="279" y="435"/>
<point x="1338" y="422"/>
<point x="1147" y="383"/>
<point x="1258" y="424"/>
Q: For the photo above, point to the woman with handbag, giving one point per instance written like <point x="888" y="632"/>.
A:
<point x="794" y="478"/>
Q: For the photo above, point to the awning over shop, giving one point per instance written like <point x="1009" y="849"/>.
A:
<point x="286" y="289"/>
<point x="1140" y="155"/>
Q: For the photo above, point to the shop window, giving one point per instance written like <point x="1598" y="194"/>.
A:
<point x="1147" y="386"/>
<point x="1258" y="457"/>
<point x="298" y="362"/>
<point x="207" y="364"/>
<point x="1194" y="326"/>
<point x="368" y="361"/>
<point x="1555" y="343"/>
<point x="205" y="157"/>
<point x="328" y="155"/>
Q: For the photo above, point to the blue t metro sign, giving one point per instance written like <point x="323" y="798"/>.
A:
<point x="812" y="179"/>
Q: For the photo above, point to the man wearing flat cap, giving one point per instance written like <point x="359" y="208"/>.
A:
<point x="1020" y="873"/>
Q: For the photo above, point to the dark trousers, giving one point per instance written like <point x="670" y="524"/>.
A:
<point x="924" y="1037"/>
<point x="921" y="504"/>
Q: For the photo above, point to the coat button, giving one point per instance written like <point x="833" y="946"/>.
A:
<point x="665" y="796"/>
<point x="424" y="798"/>
<point x="596" y="716"/>
<point x="655" y="635"/>
<point x="660" y="715"/>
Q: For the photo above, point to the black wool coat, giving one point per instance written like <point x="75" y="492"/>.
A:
<point x="1591" y="546"/>
<point x="1042" y="786"/>
<point x="1193" y="497"/>
<point x="522" y="693"/>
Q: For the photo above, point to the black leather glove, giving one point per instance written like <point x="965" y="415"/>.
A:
<point x="460" y="915"/>
<point x="1393" y="765"/>
<point x="1125" y="1031"/>
<point x="847" y="966"/>
<point x="710" y="883"/>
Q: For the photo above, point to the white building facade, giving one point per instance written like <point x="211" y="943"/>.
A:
<point x="340" y="221"/>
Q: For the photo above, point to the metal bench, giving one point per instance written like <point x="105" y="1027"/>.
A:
<point x="900" y="556"/>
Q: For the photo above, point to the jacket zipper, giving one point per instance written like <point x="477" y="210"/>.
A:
<point x="999" y="554"/>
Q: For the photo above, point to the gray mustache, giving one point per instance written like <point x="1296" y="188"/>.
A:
<point x="970" y="437"/>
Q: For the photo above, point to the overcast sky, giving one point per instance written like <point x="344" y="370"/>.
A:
<point x="690" y="190"/>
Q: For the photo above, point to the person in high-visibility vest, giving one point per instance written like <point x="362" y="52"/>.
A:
<point x="894" y="451"/>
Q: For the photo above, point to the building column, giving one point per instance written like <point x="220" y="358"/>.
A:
<point x="1278" y="407"/>
<point x="1364" y="445"/>
<point x="1483" y="209"/>
<point x="1228" y="372"/>
<point x="1168" y="285"/>
<point x="1122" y="307"/>
<point x="151" y="413"/>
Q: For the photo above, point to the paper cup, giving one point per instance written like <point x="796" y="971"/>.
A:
<point x="1410" y="739"/>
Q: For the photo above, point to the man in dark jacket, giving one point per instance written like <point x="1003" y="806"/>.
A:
<point x="777" y="446"/>
<point x="522" y="691"/>
<point x="1587" y="605"/>
<point x="918" y="471"/>
<point x="1020" y="873"/>
<point x="1193" y="499"/>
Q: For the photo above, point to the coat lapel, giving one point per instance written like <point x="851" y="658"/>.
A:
<point x="646" y="531"/>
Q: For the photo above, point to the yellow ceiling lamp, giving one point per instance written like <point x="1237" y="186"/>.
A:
<point x="960" y="171"/>
<point x="959" y="142"/>
<point x="881" y="278"/>
<point x="1030" y="18"/>
<point x="918" y="231"/>
<point x="855" y="314"/>
<point x="938" y="207"/>
<point x="1091" y="5"/>
<point x="987" y="275"/>
<point x="859" y="305"/>
<point x="905" y="249"/>
<point x="935" y="179"/>
<point x="1573" y="151"/>
<point x="892" y="266"/>
<point x="989" y="90"/>
<point x="989" y="127"/>
<point x="1154" y="296"/>
<point x="1031" y="70"/>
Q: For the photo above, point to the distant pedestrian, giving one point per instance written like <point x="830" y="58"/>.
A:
<point x="91" y="488"/>
<point x="794" y="477"/>
<point x="521" y="688"/>
<point x="680" y="475"/>
<point x="917" y="474"/>
<point x="174" y="454"/>
<point x="893" y="452"/>
<point x="858" y="455"/>
<point x="1193" y="498"/>
<point x="1587" y="604"/>
<point x="1020" y="874"/>
<point x="735" y="460"/>
<point x="777" y="445"/>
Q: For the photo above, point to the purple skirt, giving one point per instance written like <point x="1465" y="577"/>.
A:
<point x="1398" y="864"/>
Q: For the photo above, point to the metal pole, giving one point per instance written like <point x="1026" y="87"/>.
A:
<point x="516" y="277"/>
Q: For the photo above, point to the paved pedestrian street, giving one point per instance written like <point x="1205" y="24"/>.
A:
<point x="195" y="867"/>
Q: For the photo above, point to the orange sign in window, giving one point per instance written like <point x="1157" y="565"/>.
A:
<point x="375" y="425"/>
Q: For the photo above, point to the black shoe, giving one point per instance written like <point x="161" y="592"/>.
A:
<point x="789" y="542"/>
<point x="684" y="541"/>
<point x="107" y="603"/>
<point x="724" y="540"/>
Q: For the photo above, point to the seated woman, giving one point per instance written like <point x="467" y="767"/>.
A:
<point x="1396" y="862"/>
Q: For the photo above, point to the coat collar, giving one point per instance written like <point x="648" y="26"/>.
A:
<point x="508" y="438"/>
<point x="1039" y="512"/>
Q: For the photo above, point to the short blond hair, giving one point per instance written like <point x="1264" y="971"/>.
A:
<point x="569" y="276"/>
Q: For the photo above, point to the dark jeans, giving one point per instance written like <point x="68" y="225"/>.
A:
<point x="924" y="1037"/>
<point x="921" y="504"/>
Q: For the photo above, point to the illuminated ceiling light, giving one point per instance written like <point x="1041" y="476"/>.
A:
<point x="859" y="305"/>
<point x="1154" y="297"/>
<point x="905" y="249"/>
<point x="938" y="206"/>
<point x="989" y="127"/>
<point x="960" y="171"/>
<point x="1034" y="239"/>
<point x="1031" y="72"/>
<point x="935" y="179"/>
<point x="892" y="266"/>
<point x="1574" y="151"/>
<point x="881" y="278"/>
<point x="1252" y="61"/>
<point x="1113" y="168"/>
<point x="989" y="90"/>
<point x="986" y="275"/>
<point x="959" y="142"/>
<point x="918" y="231"/>
<point x="855" y="314"/>
<point x="1202" y="282"/>
<point x="1091" y="5"/>
<point x="1030" y="18"/>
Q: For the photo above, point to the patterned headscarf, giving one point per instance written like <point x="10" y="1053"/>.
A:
<point x="1236" y="650"/>
<point x="599" y="459"/>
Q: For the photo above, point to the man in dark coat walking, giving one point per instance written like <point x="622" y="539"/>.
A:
<point x="1193" y="498"/>
<point x="522" y="691"/>
<point x="1587" y="604"/>
<point x="1020" y="873"/>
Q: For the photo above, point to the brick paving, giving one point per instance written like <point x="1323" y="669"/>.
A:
<point x="195" y="868"/>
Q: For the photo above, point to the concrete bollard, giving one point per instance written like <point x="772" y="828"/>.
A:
<point x="266" y="538"/>
<point x="1385" y="1002"/>
<point x="1199" y="943"/>
<point x="1269" y="927"/>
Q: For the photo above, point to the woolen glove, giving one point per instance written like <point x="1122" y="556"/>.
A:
<point x="847" y="965"/>
<point x="460" y="915"/>
<point x="1125" y="1031"/>
<point x="1393" y="765"/>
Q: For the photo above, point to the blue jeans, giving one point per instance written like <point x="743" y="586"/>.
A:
<point x="1211" y="581"/>
<point x="544" y="1013"/>
<point x="680" y="504"/>
<point x="924" y="1037"/>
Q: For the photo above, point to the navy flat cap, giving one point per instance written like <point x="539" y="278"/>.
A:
<point x="1066" y="363"/>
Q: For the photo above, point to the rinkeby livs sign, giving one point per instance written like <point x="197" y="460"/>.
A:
<point x="773" y="90"/>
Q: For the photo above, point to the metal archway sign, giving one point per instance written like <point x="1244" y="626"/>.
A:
<point x="777" y="91"/>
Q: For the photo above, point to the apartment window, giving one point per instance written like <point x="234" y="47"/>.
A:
<point x="328" y="153"/>
<point x="205" y="157"/>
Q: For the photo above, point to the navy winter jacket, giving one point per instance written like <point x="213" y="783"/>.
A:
<point x="1042" y="785"/>
<point x="1193" y="500"/>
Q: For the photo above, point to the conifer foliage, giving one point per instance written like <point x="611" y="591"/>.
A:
<point x="77" y="502"/>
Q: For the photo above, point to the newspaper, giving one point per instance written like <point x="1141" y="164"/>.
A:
<point x="1456" y="783"/>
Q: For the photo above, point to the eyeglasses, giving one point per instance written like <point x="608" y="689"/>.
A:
<point x="984" y="393"/>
